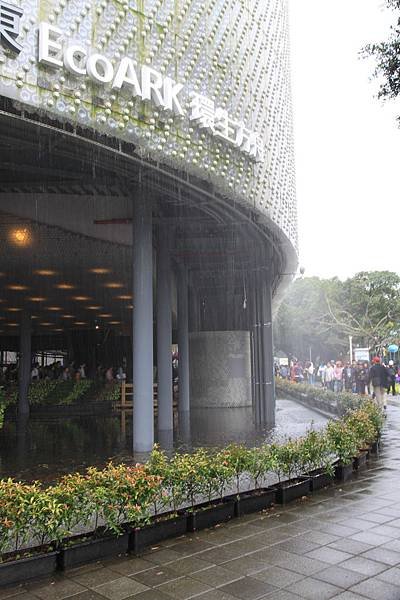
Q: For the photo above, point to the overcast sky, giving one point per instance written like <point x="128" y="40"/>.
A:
<point x="347" y="141"/>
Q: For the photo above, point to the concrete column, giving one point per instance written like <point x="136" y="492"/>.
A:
<point x="142" y="338"/>
<point x="183" y="340"/>
<point x="268" y="355"/>
<point x="25" y="358"/>
<point x="164" y="332"/>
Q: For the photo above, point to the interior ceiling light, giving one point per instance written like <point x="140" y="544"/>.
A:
<point x="124" y="297"/>
<point x="14" y="309"/>
<point x="94" y="307"/>
<point x="45" y="272"/>
<point x="53" y="308"/>
<point x="17" y="287"/>
<point x="37" y="299"/>
<point x="114" y="322"/>
<point x="130" y="306"/>
<point x="46" y="324"/>
<point x="12" y="324"/>
<point x="20" y="236"/>
<point x="81" y="298"/>
<point x="58" y="329"/>
<point x="80" y="323"/>
<point x="114" y="285"/>
<point x="68" y="316"/>
<point x="100" y="271"/>
<point x="105" y="315"/>
<point x="64" y="286"/>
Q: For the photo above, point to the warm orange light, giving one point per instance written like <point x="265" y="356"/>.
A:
<point x="94" y="307"/>
<point x="12" y="324"/>
<point x="81" y="298"/>
<point x="68" y="316"/>
<point x="100" y="271"/>
<point x="80" y="323"/>
<point x="58" y="329"/>
<point x="53" y="308"/>
<point x="17" y="287"/>
<point x="14" y="309"/>
<point x="114" y="285"/>
<point x="45" y="272"/>
<point x="37" y="299"/>
<point x="64" y="286"/>
<point x="114" y="322"/>
<point x="130" y="306"/>
<point x="105" y="315"/>
<point x="20" y="237"/>
<point x="46" y="324"/>
<point x="124" y="297"/>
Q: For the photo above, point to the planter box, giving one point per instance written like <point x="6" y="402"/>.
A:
<point x="287" y="492"/>
<point x="19" y="571"/>
<point x="343" y="472"/>
<point x="319" y="479"/>
<point x="360" y="461"/>
<point x="254" y="501"/>
<point x="374" y="450"/>
<point x="160" y="529"/>
<point x="92" y="549"/>
<point x="210" y="515"/>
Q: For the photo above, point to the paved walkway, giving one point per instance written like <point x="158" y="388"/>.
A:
<point x="342" y="543"/>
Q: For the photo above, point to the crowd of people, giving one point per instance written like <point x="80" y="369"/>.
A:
<point x="58" y="372"/>
<point x="375" y="378"/>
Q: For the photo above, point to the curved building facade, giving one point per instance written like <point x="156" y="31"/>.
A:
<point x="150" y="139"/>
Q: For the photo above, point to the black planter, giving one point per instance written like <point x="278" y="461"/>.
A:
<point x="254" y="501"/>
<point x="19" y="571"/>
<point x="289" y="491"/>
<point x="208" y="515"/>
<point x="92" y="549"/>
<point x="319" y="479"/>
<point x="360" y="461"/>
<point x="160" y="529"/>
<point x="343" y="472"/>
<point x="374" y="450"/>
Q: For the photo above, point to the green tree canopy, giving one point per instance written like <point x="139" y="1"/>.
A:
<point x="322" y="313"/>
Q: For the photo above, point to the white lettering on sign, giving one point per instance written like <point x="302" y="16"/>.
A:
<point x="149" y="85"/>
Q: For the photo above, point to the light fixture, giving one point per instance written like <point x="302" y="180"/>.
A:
<point x="113" y="285"/>
<point x="100" y="271"/>
<point x="37" y="299"/>
<point x="64" y="286"/>
<point x="114" y="322"/>
<point x="54" y="308"/>
<point x="94" y="307"/>
<point x="20" y="236"/>
<point x="17" y="287"/>
<point x="46" y="324"/>
<point x="80" y="323"/>
<point x="124" y="297"/>
<point x="105" y="315"/>
<point x="13" y="309"/>
<point x="67" y="316"/>
<point x="12" y="324"/>
<point x="80" y="298"/>
<point x="45" y="272"/>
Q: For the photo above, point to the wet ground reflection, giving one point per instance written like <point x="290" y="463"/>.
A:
<point x="45" y="449"/>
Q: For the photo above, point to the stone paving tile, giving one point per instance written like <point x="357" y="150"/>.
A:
<point x="301" y="564"/>
<point x="183" y="588"/>
<point x="376" y="589"/>
<point x="248" y="589"/>
<point x="283" y="595"/>
<point x="156" y="576"/>
<point x="214" y="595"/>
<point x="351" y="546"/>
<point x="161" y="557"/>
<point x="219" y="555"/>
<point x="391" y="576"/>
<point x="343" y="578"/>
<point x="278" y="577"/>
<point x="12" y="592"/>
<point x="349" y="596"/>
<point x="298" y="545"/>
<point x="321" y="538"/>
<point x="376" y="518"/>
<point x="216" y="576"/>
<point x="329" y="555"/>
<point x="383" y="555"/>
<point x="312" y="589"/>
<point x="151" y="595"/>
<point x="192" y="546"/>
<point x="373" y="539"/>
<point x="129" y="566"/>
<point x="188" y="565"/>
<point x="57" y="589"/>
<point x="245" y="565"/>
<point x="364" y="566"/>
<point x="92" y="579"/>
<point x="121" y="588"/>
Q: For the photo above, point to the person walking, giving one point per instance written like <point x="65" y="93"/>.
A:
<point x="348" y="376"/>
<point x="329" y="376"/>
<point x="321" y="373"/>
<point x="310" y="372"/>
<point x="338" y="377"/>
<point x="391" y="375"/>
<point x="378" y="378"/>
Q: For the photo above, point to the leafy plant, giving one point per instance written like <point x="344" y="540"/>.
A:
<point x="342" y="440"/>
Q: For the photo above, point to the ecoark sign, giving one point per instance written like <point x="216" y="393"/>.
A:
<point x="141" y="81"/>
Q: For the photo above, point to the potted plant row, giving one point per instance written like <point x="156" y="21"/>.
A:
<point x="128" y="508"/>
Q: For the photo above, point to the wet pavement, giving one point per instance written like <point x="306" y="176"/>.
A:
<point x="342" y="543"/>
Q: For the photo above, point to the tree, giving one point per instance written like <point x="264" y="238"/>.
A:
<point x="321" y="314"/>
<point x="387" y="56"/>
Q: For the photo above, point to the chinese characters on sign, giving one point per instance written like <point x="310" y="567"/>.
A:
<point x="10" y="16"/>
<point x="218" y="122"/>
